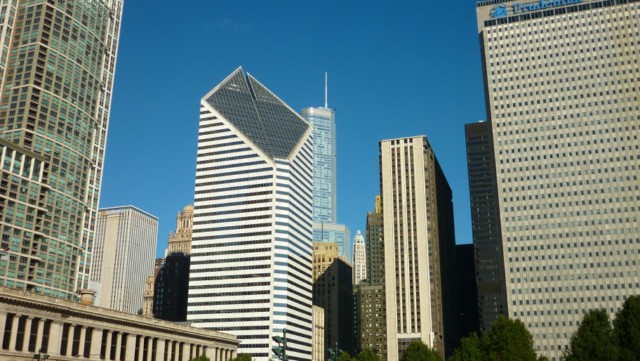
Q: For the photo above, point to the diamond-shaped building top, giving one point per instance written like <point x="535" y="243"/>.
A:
<point x="258" y="113"/>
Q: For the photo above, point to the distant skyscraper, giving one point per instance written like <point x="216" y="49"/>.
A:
<point x="359" y="259"/>
<point x="375" y="245"/>
<point x="57" y="62"/>
<point x="370" y="295"/>
<point x="325" y="226"/>
<point x="563" y="103"/>
<point x="252" y="232"/>
<point x="465" y="298"/>
<point x="171" y="288"/>
<point x="125" y="253"/>
<point x="418" y="244"/>
<point x="485" y="223"/>
<point x="333" y="291"/>
<point x="180" y="241"/>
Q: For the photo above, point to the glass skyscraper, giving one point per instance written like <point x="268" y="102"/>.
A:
<point x="57" y="61"/>
<point x="325" y="226"/>
<point x="252" y="228"/>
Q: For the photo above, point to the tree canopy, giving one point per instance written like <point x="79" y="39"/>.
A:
<point x="594" y="340"/>
<point x="470" y="349"/>
<point x="627" y="329"/>
<point x="367" y="355"/>
<point x="509" y="340"/>
<point x="418" y="351"/>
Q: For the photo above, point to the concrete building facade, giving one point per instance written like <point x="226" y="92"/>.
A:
<point x="124" y="256"/>
<point x="57" y="63"/>
<point x="418" y="243"/>
<point x="34" y="325"/>
<point x="318" y="334"/>
<point x="251" y="253"/>
<point x="562" y="98"/>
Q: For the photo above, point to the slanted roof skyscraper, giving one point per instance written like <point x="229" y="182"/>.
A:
<point x="252" y="231"/>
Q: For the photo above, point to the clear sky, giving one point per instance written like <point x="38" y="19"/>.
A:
<point x="396" y="69"/>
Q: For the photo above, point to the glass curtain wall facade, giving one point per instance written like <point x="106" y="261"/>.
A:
<point x="57" y="62"/>
<point x="562" y="92"/>
<point x="251" y="254"/>
<point x="325" y="226"/>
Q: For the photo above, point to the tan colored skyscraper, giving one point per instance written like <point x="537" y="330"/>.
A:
<point x="180" y="242"/>
<point x="418" y="239"/>
<point x="562" y="92"/>
<point x="324" y="253"/>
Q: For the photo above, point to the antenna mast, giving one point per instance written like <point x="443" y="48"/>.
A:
<point x="326" y="91"/>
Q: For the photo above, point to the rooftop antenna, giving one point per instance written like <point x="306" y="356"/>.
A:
<point x="326" y="91"/>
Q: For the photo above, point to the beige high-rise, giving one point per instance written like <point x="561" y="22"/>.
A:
<point x="563" y="88"/>
<point x="418" y="236"/>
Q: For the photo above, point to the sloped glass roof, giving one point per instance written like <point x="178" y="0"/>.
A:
<point x="260" y="115"/>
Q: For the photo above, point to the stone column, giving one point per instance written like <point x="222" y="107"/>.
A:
<point x="211" y="353"/>
<point x="55" y="339"/>
<point x="96" y="344"/>
<point x="107" y="355"/>
<point x="150" y="349"/>
<point x="70" y="336"/>
<point x="130" y="352"/>
<point x="39" y="335"/>
<point x="185" y="351"/>
<point x="118" y="345"/>
<point x="170" y="350"/>
<point x="141" y="348"/>
<point x="82" y="340"/>
<point x="3" y="321"/>
<point x="160" y="350"/>
<point x="233" y="353"/>
<point x="13" y="337"/>
<point x="27" y="334"/>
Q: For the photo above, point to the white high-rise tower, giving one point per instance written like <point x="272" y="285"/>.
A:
<point x="359" y="259"/>
<point x="252" y="231"/>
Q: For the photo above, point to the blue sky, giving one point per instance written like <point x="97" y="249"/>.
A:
<point x="395" y="69"/>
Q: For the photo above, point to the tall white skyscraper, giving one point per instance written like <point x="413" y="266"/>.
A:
<point x="359" y="259"/>
<point x="124" y="256"/>
<point x="325" y="226"/>
<point x="251" y="254"/>
<point x="562" y="94"/>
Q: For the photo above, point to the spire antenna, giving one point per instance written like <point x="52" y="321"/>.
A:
<point x="326" y="90"/>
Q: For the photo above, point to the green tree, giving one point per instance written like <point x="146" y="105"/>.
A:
<point x="367" y="355"/>
<point x="627" y="329"/>
<point x="242" y="357"/>
<point x="509" y="340"/>
<point x="344" y="356"/>
<point x="418" y="351"/>
<point x="201" y="358"/>
<point x="594" y="340"/>
<point x="470" y="349"/>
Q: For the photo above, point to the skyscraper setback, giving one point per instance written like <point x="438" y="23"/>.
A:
<point x="57" y="62"/>
<point x="562" y="97"/>
<point x="252" y="228"/>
